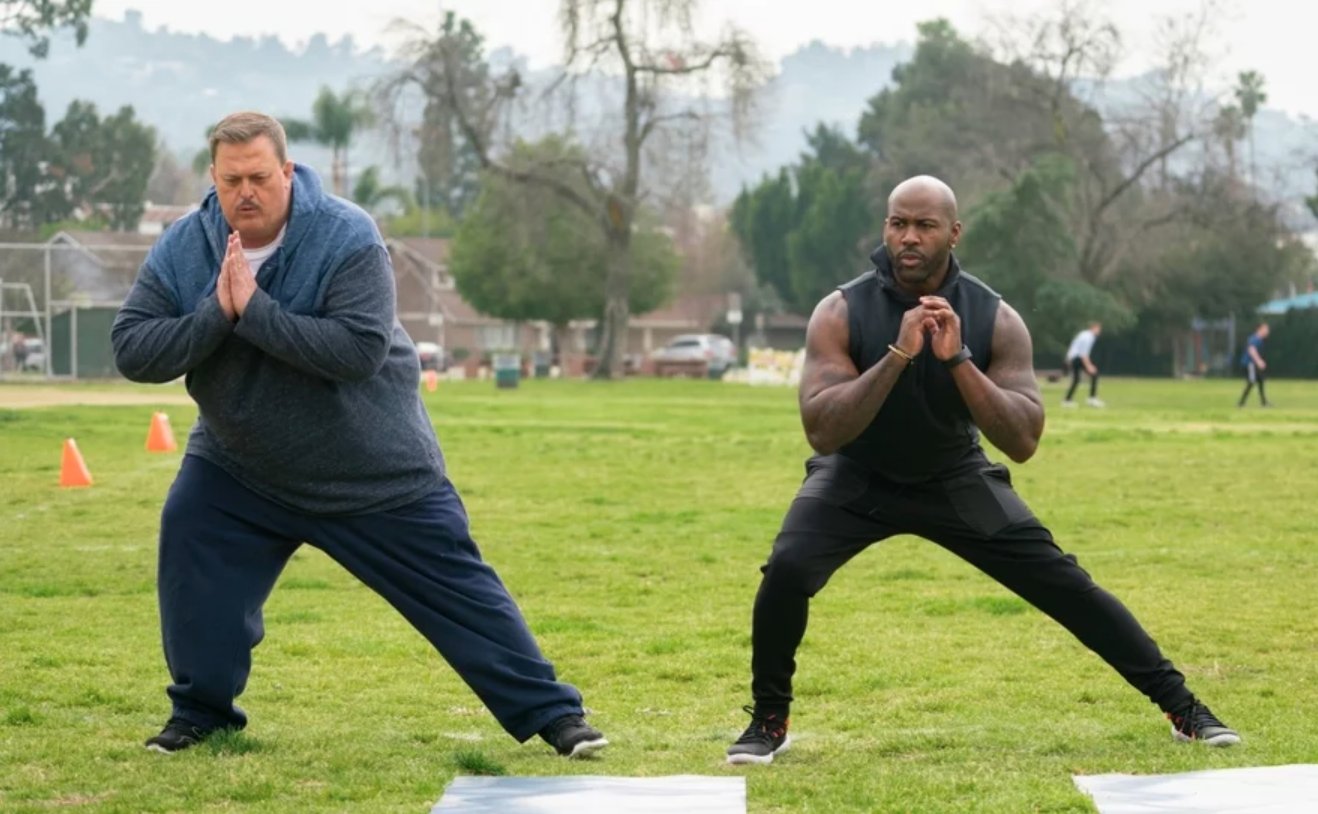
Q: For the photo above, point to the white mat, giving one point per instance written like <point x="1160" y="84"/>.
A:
<point x="682" y="794"/>
<point x="1261" y="790"/>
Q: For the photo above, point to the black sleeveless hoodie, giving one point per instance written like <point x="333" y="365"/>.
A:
<point x="924" y="429"/>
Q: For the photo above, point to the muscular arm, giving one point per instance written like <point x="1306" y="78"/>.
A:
<point x="837" y="401"/>
<point x="1005" y="401"/>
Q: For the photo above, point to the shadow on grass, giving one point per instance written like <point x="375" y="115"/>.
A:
<point x="473" y="761"/>
<point x="21" y="716"/>
<point x="233" y="742"/>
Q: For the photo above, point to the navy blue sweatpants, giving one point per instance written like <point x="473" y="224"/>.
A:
<point x="222" y="546"/>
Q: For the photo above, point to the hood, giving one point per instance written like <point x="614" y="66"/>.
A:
<point x="306" y="197"/>
<point x="883" y="270"/>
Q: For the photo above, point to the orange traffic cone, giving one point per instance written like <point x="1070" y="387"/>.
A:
<point x="432" y="380"/>
<point x="160" y="438"/>
<point x="73" y="469"/>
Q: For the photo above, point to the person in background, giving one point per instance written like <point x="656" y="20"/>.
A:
<point x="19" y="349"/>
<point x="1252" y="360"/>
<point x="1077" y="358"/>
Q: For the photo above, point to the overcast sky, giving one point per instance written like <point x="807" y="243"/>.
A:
<point x="1274" y="37"/>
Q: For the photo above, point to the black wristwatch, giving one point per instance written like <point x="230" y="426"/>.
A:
<point x="961" y="356"/>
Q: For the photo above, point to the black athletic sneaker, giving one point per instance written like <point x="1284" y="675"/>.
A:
<point x="1197" y="723"/>
<point x="765" y="737"/>
<point x="571" y="736"/>
<point x="176" y="736"/>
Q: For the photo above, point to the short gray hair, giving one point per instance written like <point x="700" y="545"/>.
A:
<point x="243" y="127"/>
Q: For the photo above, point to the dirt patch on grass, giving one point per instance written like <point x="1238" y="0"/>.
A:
<point x="16" y="397"/>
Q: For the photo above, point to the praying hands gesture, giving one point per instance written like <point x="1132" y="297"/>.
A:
<point x="237" y="281"/>
<point x="943" y="326"/>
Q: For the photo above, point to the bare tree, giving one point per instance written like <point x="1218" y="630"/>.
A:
<point x="665" y="72"/>
<point x="1071" y="45"/>
<point x="1075" y="47"/>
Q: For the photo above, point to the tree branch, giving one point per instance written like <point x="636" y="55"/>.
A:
<point x="481" y="149"/>
<point x="619" y="37"/>
<point x="1140" y="169"/>
<point x="655" y="121"/>
<point x="682" y="70"/>
<point x="1123" y="247"/>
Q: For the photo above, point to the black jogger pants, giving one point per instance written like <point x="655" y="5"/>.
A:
<point x="841" y="509"/>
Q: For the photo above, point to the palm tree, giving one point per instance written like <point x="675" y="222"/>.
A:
<point x="335" y="120"/>
<point x="1229" y="126"/>
<point x="1250" y="94"/>
<point x="369" y="193"/>
<point x="1312" y="203"/>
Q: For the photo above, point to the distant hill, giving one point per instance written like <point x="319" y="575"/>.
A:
<point x="817" y="83"/>
<point x="180" y="83"/>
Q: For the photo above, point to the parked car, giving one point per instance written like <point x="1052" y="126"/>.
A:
<point x="432" y="356"/>
<point x="34" y="358"/>
<point x="716" y="351"/>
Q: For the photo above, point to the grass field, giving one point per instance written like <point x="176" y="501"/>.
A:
<point x="629" y="520"/>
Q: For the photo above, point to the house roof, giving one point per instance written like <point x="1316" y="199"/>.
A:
<point x="433" y="249"/>
<point x="425" y="257"/>
<point x="165" y="214"/>
<point x="694" y="311"/>
<point x="110" y="250"/>
<point x="786" y="321"/>
<point x="459" y="311"/>
<point x="100" y="265"/>
<point x="1281" y="306"/>
<point x="101" y="239"/>
<point x="422" y="258"/>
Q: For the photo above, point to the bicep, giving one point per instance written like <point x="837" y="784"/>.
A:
<point x="1012" y="364"/>
<point x="827" y="360"/>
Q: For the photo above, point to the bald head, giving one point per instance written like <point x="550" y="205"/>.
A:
<point x="925" y="189"/>
<point x="920" y="232"/>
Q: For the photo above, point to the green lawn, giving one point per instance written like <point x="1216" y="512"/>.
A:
<point x="629" y="520"/>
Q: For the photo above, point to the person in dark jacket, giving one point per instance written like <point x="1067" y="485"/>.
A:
<point x="1251" y="359"/>
<point x="275" y="301"/>
<point x="904" y="366"/>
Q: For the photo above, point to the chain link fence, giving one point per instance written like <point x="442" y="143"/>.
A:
<point x="58" y="299"/>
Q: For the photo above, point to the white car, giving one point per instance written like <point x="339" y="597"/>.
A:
<point x="716" y="351"/>
<point x="431" y="356"/>
<point x="35" y="358"/>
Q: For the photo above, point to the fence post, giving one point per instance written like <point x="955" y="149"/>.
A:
<point x="73" y="342"/>
<point x="46" y="339"/>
